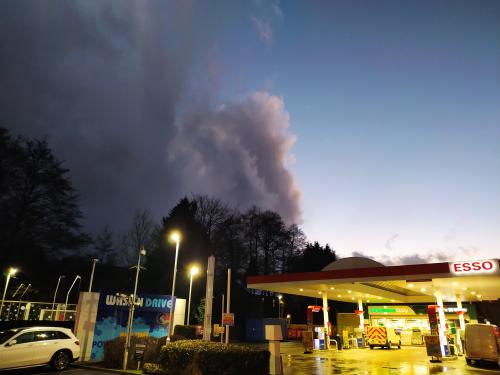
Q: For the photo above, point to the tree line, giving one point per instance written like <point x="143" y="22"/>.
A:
<point x="41" y="231"/>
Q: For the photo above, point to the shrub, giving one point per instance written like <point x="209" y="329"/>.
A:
<point x="187" y="332"/>
<point x="174" y="338"/>
<point x="153" y="369"/>
<point x="113" y="351"/>
<point x="210" y="358"/>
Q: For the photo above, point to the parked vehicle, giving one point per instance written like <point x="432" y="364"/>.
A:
<point x="38" y="346"/>
<point x="482" y="343"/>
<point x="384" y="337"/>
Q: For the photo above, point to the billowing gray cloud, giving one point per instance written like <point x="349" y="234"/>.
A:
<point x="240" y="153"/>
<point x="103" y="81"/>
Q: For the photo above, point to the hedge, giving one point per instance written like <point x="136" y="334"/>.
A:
<point x="188" y="332"/>
<point x="188" y="357"/>
<point x="113" y="351"/>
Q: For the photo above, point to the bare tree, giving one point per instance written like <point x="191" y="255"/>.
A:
<point x="142" y="235"/>
<point x="103" y="243"/>
<point x="296" y="242"/>
<point x="211" y="213"/>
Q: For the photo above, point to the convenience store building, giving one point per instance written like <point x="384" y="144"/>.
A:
<point x="395" y="296"/>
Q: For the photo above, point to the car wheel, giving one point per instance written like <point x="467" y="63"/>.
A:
<point x="371" y="346"/>
<point x="60" y="360"/>
<point x="468" y="360"/>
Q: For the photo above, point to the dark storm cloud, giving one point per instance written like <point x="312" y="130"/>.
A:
<point x="102" y="80"/>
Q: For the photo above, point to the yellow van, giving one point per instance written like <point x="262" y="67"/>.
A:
<point x="384" y="337"/>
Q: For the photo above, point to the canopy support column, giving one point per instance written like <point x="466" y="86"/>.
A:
<point x="460" y="315"/>
<point x="361" y="315"/>
<point x="326" y="319"/>
<point x="442" y="321"/>
<point x="461" y="319"/>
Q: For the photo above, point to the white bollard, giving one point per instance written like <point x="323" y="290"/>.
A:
<point x="274" y="335"/>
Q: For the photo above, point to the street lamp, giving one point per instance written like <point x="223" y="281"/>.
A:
<point x="78" y="277"/>
<point x="132" y="304"/>
<point x="55" y="294"/>
<point x="12" y="299"/>
<point x="11" y="272"/>
<point x="94" y="261"/>
<point x="21" y="300"/>
<point x="176" y="237"/>
<point x="194" y="271"/>
<point x="279" y="305"/>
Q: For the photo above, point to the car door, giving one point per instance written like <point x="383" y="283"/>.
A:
<point x="20" y="353"/>
<point x="46" y="344"/>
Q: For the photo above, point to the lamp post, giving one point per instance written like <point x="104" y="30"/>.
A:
<point x="279" y="305"/>
<point x="11" y="272"/>
<point x="55" y="294"/>
<point x="132" y="304"/>
<point x="67" y="296"/>
<point x="94" y="261"/>
<point x="12" y="298"/>
<point x="176" y="237"/>
<point x="20" y="300"/>
<point x="194" y="271"/>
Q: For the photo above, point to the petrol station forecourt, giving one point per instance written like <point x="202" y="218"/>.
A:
<point x="392" y="290"/>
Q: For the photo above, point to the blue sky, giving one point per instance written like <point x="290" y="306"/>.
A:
<point x="396" y="109"/>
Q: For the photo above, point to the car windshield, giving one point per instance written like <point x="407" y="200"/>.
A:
<point x="6" y="335"/>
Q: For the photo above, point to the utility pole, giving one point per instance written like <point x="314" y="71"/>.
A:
<point x="222" y="320"/>
<point x="228" y="301"/>
<point x="132" y="303"/>
<point x="209" y="295"/>
<point x="177" y="239"/>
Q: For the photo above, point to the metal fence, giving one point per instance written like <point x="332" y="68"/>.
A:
<point x="30" y="310"/>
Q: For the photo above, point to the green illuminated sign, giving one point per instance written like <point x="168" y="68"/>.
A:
<point x="375" y="310"/>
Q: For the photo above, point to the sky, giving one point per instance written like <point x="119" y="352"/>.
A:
<point x="374" y="125"/>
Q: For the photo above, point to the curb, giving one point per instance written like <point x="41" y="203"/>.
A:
<point x="97" y="368"/>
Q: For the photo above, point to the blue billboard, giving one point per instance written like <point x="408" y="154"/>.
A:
<point x="151" y="318"/>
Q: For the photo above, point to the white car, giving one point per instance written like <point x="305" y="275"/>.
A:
<point x="38" y="346"/>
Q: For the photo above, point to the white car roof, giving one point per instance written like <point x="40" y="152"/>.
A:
<point x="43" y="328"/>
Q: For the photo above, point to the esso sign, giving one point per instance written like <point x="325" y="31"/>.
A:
<point x="475" y="267"/>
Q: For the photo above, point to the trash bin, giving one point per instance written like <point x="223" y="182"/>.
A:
<point x="339" y="341"/>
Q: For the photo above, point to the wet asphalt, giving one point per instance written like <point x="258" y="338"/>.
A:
<point x="405" y="361"/>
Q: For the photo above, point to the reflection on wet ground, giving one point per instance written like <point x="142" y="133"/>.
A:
<point x="406" y="361"/>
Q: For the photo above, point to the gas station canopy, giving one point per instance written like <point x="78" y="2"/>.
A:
<point x="355" y="278"/>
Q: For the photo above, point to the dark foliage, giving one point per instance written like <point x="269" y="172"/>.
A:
<point x="210" y="358"/>
<point x="187" y="332"/>
<point x="314" y="258"/>
<point x="114" y="349"/>
<point x="39" y="213"/>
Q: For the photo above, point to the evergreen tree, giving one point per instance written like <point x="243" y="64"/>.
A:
<point x="39" y="213"/>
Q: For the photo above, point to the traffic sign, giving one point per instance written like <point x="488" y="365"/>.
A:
<point x="228" y="319"/>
